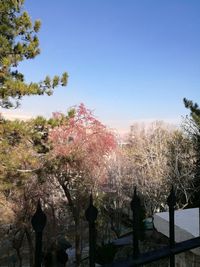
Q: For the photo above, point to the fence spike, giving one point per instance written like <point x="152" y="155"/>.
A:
<point x="91" y="212"/>
<point x="38" y="222"/>
<point x="136" y="206"/>
<point x="91" y="199"/>
<point x="171" y="201"/>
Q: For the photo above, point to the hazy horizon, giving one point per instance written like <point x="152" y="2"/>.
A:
<point x="126" y="60"/>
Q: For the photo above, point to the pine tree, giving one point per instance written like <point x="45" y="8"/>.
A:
<point x="194" y="131"/>
<point x="19" y="42"/>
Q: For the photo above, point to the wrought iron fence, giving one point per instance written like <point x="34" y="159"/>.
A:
<point x="137" y="258"/>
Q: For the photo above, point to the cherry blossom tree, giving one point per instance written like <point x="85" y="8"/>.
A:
<point x="80" y="146"/>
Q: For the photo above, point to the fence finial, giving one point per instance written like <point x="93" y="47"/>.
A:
<point x="91" y="199"/>
<point x="38" y="222"/>
<point x="135" y="202"/>
<point x="136" y="209"/>
<point x="91" y="212"/>
<point x="39" y="219"/>
<point x="171" y="200"/>
<point x="91" y="216"/>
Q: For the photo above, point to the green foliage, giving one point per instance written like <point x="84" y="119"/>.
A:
<point x="16" y="153"/>
<point x="194" y="111"/>
<point x="19" y="42"/>
<point x="193" y="129"/>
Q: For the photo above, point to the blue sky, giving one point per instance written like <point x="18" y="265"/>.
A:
<point x="127" y="59"/>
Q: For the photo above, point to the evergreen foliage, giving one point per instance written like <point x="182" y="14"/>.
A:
<point x="19" y="42"/>
<point x="193" y="127"/>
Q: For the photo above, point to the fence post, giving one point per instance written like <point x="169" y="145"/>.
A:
<point x="171" y="202"/>
<point x="91" y="216"/>
<point x="38" y="222"/>
<point x="136" y="208"/>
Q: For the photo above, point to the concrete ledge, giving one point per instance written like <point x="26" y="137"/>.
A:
<point x="186" y="225"/>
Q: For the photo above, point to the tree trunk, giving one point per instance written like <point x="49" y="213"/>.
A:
<point x="31" y="249"/>
<point x="19" y="256"/>
<point x="78" y="241"/>
<point x="76" y="216"/>
<point x="17" y="244"/>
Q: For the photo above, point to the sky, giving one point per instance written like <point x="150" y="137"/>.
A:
<point x="127" y="60"/>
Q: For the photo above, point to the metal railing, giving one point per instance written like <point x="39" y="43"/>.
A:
<point x="137" y="259"/>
